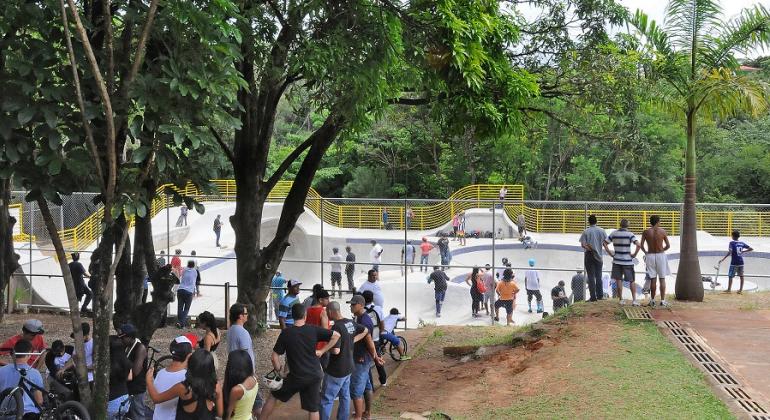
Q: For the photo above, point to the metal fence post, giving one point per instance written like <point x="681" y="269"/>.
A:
<point x="406" y="271"/>
<point x="585" y="215"/>
<point x="168" y="229"/>
<point x="227" y="304"/>
<point x="31" y="233"/>
<point x="321" y="210"/>
<point x="494" y="234"/>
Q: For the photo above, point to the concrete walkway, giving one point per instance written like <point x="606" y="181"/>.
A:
<point x="740" y="337"/>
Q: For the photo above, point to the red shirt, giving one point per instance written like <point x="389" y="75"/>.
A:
<point x="176" y="266"/>
<point x="313" y="317"/>
<point x="38" y="345"/>
<point x="426" y="247"/>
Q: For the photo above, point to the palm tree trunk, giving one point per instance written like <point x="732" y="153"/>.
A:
<point x="688" y="278"/>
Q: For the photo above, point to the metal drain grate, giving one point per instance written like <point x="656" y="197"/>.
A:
<point x="721" y="375"/>
<point x="638" y="313"/>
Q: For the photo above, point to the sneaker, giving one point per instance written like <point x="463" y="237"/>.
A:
<point x="384" y="384"/>
<point x="438" y="315"/>
<point x="623" y="303"/>
<point x="651" y="304"/>
<point x="496" y="319"/>
<point x="635" y="303"/>
<point x="404" y="358"/>
<point x="529" y="310"/>
<point x="664" y="304"/>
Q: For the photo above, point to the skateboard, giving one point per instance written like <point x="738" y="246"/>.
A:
<point x="715" y="283"/>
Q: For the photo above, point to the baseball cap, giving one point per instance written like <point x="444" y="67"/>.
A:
<point x="531" y="262"/>
<point x="293" y="283"/>
<point x="34" y="326"/>
<point x="357" y="300"/>
<point x="127" y="329"/>
<point x="180" y="347"/>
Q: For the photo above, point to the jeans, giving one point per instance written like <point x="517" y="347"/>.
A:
<point x="217" y="232"/>
<point x="117" y="407"/>
<point x="424" y="262"/>
<point x="335" y="387"/>
<point x="89" y="295"/>
<point x="593" y="275"/>
<point x="391" y="338"/>
<point x="439" y="300"/>
<point x="139" y="409"/>
<point x="349" y="275"/>
<point x="359" y="379"/>
<point x="184" y="300"/>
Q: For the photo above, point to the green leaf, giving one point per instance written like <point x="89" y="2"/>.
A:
<point x="26" y="115"/>
<point x="116" y="211"/>
<point x="141" y="209"/>
<point x="54" y="140"/>
<point x="199" y="207"/>
<point x="50" y="117"/>
<point x="54" y="168"/>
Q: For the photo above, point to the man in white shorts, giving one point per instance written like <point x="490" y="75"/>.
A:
<point x="655" y="258"/>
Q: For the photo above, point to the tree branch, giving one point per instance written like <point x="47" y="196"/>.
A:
<point x="139" y="57"/>
<point x="276" y="176"/>
<point x="223" y="145"/>
<point x="561" y="120"/>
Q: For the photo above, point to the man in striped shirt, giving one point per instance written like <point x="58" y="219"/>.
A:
<point x="622" y="259"/>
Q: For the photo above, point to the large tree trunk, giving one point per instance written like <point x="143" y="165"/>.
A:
<point x="72" y="301"/>
<point x="689" y="285"/>
<point x="9" y="261"/>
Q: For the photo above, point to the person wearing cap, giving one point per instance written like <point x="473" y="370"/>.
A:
<point x="559" y="296"/>
<point x="88" y="348"/>
<point x="316" y="315"/>
<point x="388" y="328"/>
<point x="371" y="285"/>
<point x="32" y="331"/>
<point x="9" y="376"/>
<point x="277" y="286"/>
<point x="360" y="385"/>
<point x="425" y="248"/>
<point x="136" y="352"/>
<point x="180" y="349"/>
<point x="298" y="343"/>
<point x="532" y="284"/>
<point x="578" y="285"/>
<point x="440" y="280"/>
<point x="78" y="272"/>
<point x="336" y="383"/>
<point x="284" y="309"/>
<point x="377" y="315"/>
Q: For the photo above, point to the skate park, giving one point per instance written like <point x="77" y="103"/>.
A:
<point x="557" y="255"/>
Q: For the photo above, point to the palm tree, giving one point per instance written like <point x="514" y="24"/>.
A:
<point x="694" y="57"/>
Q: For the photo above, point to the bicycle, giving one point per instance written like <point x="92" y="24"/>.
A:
<point x="392" y="349"/>
<point x="53" y="406"/>
<point x="160" y="363"/>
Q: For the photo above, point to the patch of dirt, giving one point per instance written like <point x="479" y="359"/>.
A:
<point x="437" y="382"/>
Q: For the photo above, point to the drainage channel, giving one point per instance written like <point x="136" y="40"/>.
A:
<point x="726" y="380"/>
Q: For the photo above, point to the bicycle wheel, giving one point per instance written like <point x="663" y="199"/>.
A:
<point x="162" y="363"/>
<point x="11" y="404"/>
<point x="393" y="350"/>
<point x="72" y="410"/>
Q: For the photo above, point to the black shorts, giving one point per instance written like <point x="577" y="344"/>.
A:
<point x="309" y="392"/>
<point x="623" y="272"/>
<point x="336" y="278"/>
<point x="507" y="304"/>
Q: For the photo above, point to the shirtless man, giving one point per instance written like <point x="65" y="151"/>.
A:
<point x="655" y="258"/>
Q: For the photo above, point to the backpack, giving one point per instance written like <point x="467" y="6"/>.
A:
<point x="480" y="285"/>
<point x="375" y="320"/>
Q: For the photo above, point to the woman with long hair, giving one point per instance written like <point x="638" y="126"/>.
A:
<point x="476" y="297"/>
<point x="120" y="374"/>
<point x="200" y="395"/>
<point x="211" y="338"/>
<point x="241" y="387"/>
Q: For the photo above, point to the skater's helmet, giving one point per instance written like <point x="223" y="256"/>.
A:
<point x="531" y="262"/>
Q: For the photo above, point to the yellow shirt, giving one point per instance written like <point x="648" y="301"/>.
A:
<point x="246" y="403"/>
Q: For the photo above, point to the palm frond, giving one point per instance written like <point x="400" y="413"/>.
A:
<point x="750" y="30"/>
<point x="722" y="92"/>
<point x="689" y="22"/>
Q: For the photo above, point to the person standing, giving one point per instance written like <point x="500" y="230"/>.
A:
<point x="371" y="285"/>
<point x="298" y="343"/>
<point x="440" y="280"/>
<point x="161" y="260"/>
<point x="218" y="228"/>
<point x="277" y="287"/>
<point x="182" y="215"/>
<point x="521" y="224"/>
<point x="455" y="225"/>
<point x="241" y="388"/>
<point x="350" y="268"/>
<point x="175" y="373"/>
<point x="489" y="295"/>
<point x="136" y="352"/>
<point x="377" y="316"/>
<point x="176" y="264"/>
<point x="376" y="254"/>
<point x="385" y="219"/>
<point x="409" y="217"/>
<point x="735" y="251"/>
<point x="425" y="248"/>
<point x="407" y="256"/>
<point x="578" y="285"/>
<point x="336" y="383"/>
<point x="184" y="295"/>
<point x="502" y="194"/>
<point x="507" y="290"/>
<point x="360" y="385"/>
<point x="474" y="280"/>
<point x="622" y="259"/>
<point x="443" y="249"/>
<point x="336" y="270"/>
<point x="655" y="259"/>
<point x="284" y="309"/>
<point x="78" y="272"/>
<point x="592" y="240"/>
<point x="317" y="315"/>
<point x="461" y="227"/>
<point x="532" y="284"/>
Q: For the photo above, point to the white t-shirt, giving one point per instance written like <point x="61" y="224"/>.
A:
<point x="379" y="299"/>
<point x="88" y="347"/>
<point x="606" y="283"/>
<point x="376" y="253"/>
<point x="532" y="280"/>
<point x="60" y="361"/>
<point x="163" y="382"/>
<point x="336" y="266"/>
<point x="390" y="322"/>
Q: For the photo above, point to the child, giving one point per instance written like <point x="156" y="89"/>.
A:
<point x="735" y="250"/>
<point x="389" y="324"/>
<point x="532" y="284"/>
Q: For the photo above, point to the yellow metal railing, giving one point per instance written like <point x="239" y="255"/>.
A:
<point x="362" y="215"/>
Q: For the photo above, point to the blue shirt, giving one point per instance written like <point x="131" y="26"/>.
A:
<point x="9" y="378"/>
<point x="621" y="240"/>
<point x="278" y="281"/>
<point x="360" y="354"/>
<point x="736" y="247"/>
<point x="284" y="308"/>
<point x="189" y="276"/>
